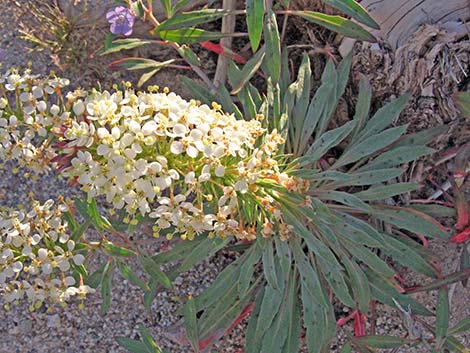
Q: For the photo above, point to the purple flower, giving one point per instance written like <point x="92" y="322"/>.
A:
<point x="121" y="19"/>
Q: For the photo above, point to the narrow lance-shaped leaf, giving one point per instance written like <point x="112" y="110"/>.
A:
<point x="131" y="276"/>
<point x="336" y="24"/>
<point x="124" y="44"/>
<point x="397" y="156"/>
<point x="118" y="251"/>
<point x="359" y="284"/>
<point x="153" y="269"/>
<point x="302" y="94"/>
<point x="319" y="108"/>
<point x="355" y="10"/>
<point x="191" y="19"/>
<point x="193" y="35"/>
<point x="148" y="341"/>
<point x="167" y="7"/>
<point x="386" y="191"/>
<point x="131" y="345"/>
<point x="190" y="321"/>
<point x="327" y="141"/>
<point x="410" y="220"/>
<point x="254" y="21"/>
<point x="268" y="266"/>
<point x="273" y="47"/>
<point x="106" y="289"/>
<point x="380" y="341"/>
<point x="370" y="145"/>
<point x="363" y="106"/>
<point x="384" y="117"/>
<point x="140" y="64"/>
<point x="462" y="326"/>
<point x="442" y="316"/>
<point x="248" y="71"/>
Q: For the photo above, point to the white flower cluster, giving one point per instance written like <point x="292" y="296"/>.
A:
<point x="182" y="163"/>
<point x="25" y="125"/>
<point x="37" y="255"/>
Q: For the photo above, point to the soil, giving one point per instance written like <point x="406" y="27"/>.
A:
<point x="391" y="74"/>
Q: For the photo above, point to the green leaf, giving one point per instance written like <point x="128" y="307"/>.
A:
<point x="124" y="44"/>
<point x="302" y="95"/>
<point x="343" y="198"/>
<point x="221" y="284"/>
<point x="198" y="91"/>
<point x="140" y="64"/>
<point x="370" y="178"/>
<point x="336" y="24"/>
<point x="153" y="269"/>
<point x="321" y="107"/>
<point x="370" y="145"/>
<point x="409" y="219"/>
<point x="273" y="47"/>
<point x="327" y="141"/>
<point x="293" y="320"/>
<point x="454" y="277"/>
<point x="422" y="137"/>
<point x="386" y="191"/>
<point x="206" y="248"/>
<point x="268" y="266"/>
<point x="359" y="283"/>
<point x="384" y="292"/>
<point x="369" y="258"/>
<point x="117" y="250"/>
<point x="397" y="156"/>
<point x="406" y="256"/>
<point x="191" y="19"/>
<point x="167" y="7"/>
<point x="190" y="321"/>
<point x="106" y="289"/>
<point x="148" y="341"/>
<point x="192" y="35"/>
<point x="454" y="345"/>
<point x="269" y="308"/>
<point x="380" y="341"/>
<point x="132" y="345"/>
<point x="314" y="321"/>
<point x="247" y="270"/>
<point x="464" y="263"/>
<point x="94" y="280"/>
<point x="254" y="21"/>
<point x="363" y="106"/>
<point x="462" y="100"/>
<point x="346" y="348"/>
<point x="146" y="76"/>
<point x="462" y="326"/>
<point x="189" y="55"/>
<point x="78" y="232"/>
<point x="384" y="117"/>
<point x="279" y="329"/>
<point x="248" y="71"/>
<point x="442" y="316"/>
<point x="131" y="276"/>
<point x="179" y="5"/>
<point x="178" y="251"/>
<point x="252" y="342"/>
<point x="224" y="312"/>
<point x="355" y="10"/>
